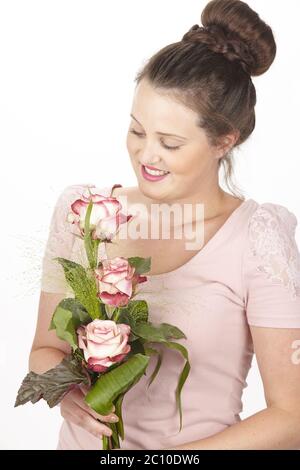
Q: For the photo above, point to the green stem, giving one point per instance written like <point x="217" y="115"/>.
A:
<point x="108" y="441"/>
<point x="87" y="238"/>
<point x="116" y="314"/>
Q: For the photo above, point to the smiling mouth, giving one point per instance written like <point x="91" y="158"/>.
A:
<point x="151" y="170"/>
<point x="153" y="176"/>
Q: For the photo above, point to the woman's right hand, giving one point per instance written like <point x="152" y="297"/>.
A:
<point x="76" y="410"/>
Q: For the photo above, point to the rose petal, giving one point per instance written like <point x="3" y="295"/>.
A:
<point x="117" y="300"/>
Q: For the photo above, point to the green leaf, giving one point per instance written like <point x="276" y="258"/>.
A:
<point x="114" y="382"/>
<point x="83" y="283"/>
<point x="54" y="384"/>
<point x="124" y="317"/>
<point x="118" y="412"/>
<point x="183" y="376"/>
<point x="185" y="371"/>
<point x="134" y="313"/>
<point x="63" y="323"/>
<point x="141" y="265"/>
<point x="157" y="333"/>
<point x="171" y="331"/>
<point x="137" y="347"/>
<point x="152" y="351"/>
<point x="68" y="315"/>
<point x="79" y="313"/>
<point x="137" y="310"/>
<point x="161" y="334"/>
<point x="149" y="332"/>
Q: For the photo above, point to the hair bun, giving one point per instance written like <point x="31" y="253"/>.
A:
<point x="232" y="28"/>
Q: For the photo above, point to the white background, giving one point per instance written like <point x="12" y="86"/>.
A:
<point x="66" y="85"/>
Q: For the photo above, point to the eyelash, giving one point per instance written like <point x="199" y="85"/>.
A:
<point x="164" y="145"/>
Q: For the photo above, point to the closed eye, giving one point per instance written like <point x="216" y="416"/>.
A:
<point x="164" y="145"/>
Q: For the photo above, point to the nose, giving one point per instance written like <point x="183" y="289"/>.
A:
<point x="147" y="156"/>
<point x="149" y="161"/>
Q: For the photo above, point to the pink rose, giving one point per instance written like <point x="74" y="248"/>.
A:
<point x="104" y="343"/>
<point x="117" y="281"/>
<point x="105" y="218"/>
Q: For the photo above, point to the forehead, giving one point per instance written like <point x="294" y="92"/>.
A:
<point x="151" y="105"/>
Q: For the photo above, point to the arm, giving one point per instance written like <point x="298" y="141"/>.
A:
<point x="47" y="349"/>
<point x="278" y="425"/>
<point x="46" y="352"/>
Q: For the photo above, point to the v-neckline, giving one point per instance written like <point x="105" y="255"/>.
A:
<point x="199" y="253"/>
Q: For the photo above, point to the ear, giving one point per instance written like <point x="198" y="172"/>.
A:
<point x="226" y="143"/>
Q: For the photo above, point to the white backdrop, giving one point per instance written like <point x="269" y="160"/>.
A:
<point x="66" y="85"/>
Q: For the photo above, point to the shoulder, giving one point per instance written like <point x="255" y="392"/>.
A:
<point x="66" y="196"/>
<point x="131" y="192"/>
<point x="81" y="188"/>
<point x="271" y="246"/>
<point x="71" y="191"/>
<point x="271" y="220"/>
<point x="271" y="268"/>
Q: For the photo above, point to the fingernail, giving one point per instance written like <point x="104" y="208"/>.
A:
<point x="114" y="419"/>
<point x="108" y="432"/>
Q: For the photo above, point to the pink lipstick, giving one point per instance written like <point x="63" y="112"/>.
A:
<point x="149" y="177"/>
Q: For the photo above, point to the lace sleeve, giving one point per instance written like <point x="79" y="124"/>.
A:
<point x="59" y="243"/>
<point x="271" y="268"/>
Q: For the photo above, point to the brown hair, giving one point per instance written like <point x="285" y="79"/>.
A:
<point x="210" y="71"/>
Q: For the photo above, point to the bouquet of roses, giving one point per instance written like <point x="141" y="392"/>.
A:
<point x="109" y="332"/>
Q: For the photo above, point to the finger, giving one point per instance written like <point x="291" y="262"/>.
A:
<point x="73" y="412"/>
<point x="110" y="417"/>
<point x="85" y="389"/>
<point x="80" y="402"/>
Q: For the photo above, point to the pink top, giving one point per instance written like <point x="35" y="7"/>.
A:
<point x="247" y="274"/>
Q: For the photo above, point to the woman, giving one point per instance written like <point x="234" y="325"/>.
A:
<point x="239" y="293"/>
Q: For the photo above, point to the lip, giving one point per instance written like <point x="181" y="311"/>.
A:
<point x="153" y="168"/>
<point x="151" y="177"/>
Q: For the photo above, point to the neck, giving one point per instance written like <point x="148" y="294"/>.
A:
<point x="214" y="201"/>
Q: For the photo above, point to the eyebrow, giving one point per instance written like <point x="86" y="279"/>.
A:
<point x="162" y="133"/>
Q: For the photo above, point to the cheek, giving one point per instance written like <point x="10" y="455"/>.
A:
<point x="132" y="149"/>
<point x="128" y="143"/>
<point x="132" y="143"/>
<point x="187" y="162"/>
